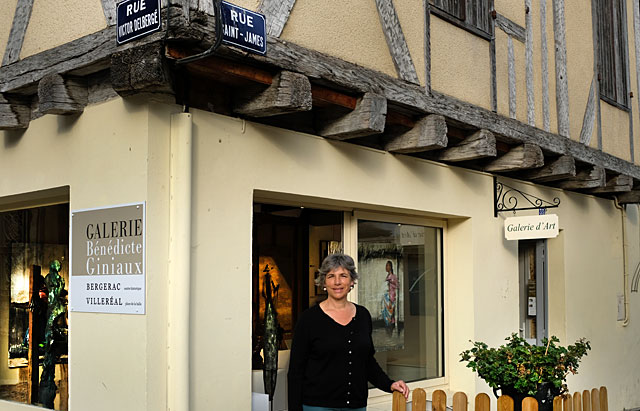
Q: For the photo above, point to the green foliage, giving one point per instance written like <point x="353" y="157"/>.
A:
<point x="523" y="366"/>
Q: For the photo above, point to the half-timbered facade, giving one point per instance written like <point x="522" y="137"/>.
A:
<point x="395" y="131"/>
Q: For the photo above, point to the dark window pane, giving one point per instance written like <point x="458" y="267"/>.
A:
<point x="470" y="13"/>
<point x="612" y="46"/>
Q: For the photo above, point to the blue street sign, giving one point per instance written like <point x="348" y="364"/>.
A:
<point x="137" y="18"/>
<point x="244" y="28"/>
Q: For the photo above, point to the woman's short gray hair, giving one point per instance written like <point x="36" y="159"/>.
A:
<point x="333" y="261"/>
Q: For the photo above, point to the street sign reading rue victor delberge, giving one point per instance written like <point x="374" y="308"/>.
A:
<point x="137" y="18"/>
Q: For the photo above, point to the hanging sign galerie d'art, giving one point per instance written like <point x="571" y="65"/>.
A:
<point x="531" y="227"/>
<point x="108" y="259"/>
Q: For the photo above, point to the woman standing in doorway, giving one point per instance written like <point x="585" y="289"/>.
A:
<point x="332" y="353"/>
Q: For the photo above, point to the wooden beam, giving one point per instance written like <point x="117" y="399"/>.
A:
<point x="562" y="82"/>
<point x="91" y="53"/>
<point x="15" y="113"/>
<point x="109" y="11"/>
<point x="522" y="157"/>
<point x="591" y="177"/>
<point x="511" y="28"/>
<point x="528" y="57"/>
<point x="288" y="93"/>
<point x="58" y="95"/>
<point x="429" y="133"/>
<point x="396" y="42"/>
<point x="276" y="13"/>
<point x="588" y="120"/>
<point x="141" y="69"/>
<point x="366" y="119"/>
<point x="617" y="184"/>
<point x="322" y="95"/>
<point x="18" y="30"/>
<point x="332" y="70"/>
<point x="630" y="197"/>
<point x="559" y="169"/>
<point x="480" y="144"/>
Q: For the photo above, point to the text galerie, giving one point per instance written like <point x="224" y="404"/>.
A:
<point x="105" y="241"/>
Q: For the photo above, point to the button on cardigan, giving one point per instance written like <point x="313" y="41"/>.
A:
<point x="331" y="363"/>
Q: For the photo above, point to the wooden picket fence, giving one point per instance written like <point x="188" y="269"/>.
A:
<point x="594" y="400"/>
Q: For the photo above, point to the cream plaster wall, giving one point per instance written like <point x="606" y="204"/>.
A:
<point x="8" y="8"/>
<point x="481" y="277"/>
<point x="502" y="72"/>
<point x="411" y="15"/>
<point x="54" y="23"/>
<point x="615" y="131"/>
<point x="633" y="80"/>
<point x="248" y="4"/>
<point x="579" y="35"/>
<point x="116" y="361"/>
<point x="512" y="9"/>
<point x="460" y="63"/>
<point x="347" y="30"/>
<point x="521" y="81"/>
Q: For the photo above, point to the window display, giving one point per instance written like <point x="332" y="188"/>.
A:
<point x="400" y="284"/>
<point x="400" y="268"/>
<point x="34" y="278"/>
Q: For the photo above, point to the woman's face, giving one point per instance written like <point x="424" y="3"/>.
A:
<point x="338" y="282"/>
<point x="388" y="268"/>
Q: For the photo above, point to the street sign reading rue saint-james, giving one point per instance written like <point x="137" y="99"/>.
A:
<point x="137" y="18"/>
<point x="244" y="28"/>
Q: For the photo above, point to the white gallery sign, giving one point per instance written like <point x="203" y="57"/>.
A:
<point x="108" y="259"/>
<point x="531" y="227"/>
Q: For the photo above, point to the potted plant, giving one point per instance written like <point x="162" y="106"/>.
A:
<point x="520" y="369"/>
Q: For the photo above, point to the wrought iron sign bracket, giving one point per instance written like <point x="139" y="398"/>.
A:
<point x="506" y="198"/>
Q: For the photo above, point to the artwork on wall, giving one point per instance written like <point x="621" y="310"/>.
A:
<point x="379" y="290"/>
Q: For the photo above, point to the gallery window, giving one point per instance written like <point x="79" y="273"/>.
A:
<point x="532" y="258"/>
<point x="399" y="261"/>
<point x="612" y="52"/>
<point x="471" y="15"/>
<point x="400" y="267"/>
<point x="34" y="279"/>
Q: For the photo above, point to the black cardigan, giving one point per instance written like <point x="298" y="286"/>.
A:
<point x="331" y="363"/>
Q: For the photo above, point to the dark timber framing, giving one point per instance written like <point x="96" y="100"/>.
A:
<point x="396" y="41"/>
<point x="427" y="46"/>
<point x="544" y="62"/>
<point x="109" y="10"/>
<point x="511" y="28"/>
<point x="562" y="84"/>
<point x="277" y="14"/>
<point x="451" y="129"/>
<point x="18" y="30"/>
<point x="528" y="53"/>
<point x="596" y="51"/>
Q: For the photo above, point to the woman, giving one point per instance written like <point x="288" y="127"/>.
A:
<point x="332" y="353"/>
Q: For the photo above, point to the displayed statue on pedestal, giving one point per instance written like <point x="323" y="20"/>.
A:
<point x="55" y="333"/>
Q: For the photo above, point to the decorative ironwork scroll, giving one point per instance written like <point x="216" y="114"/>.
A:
<point x="507" y="198"/>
